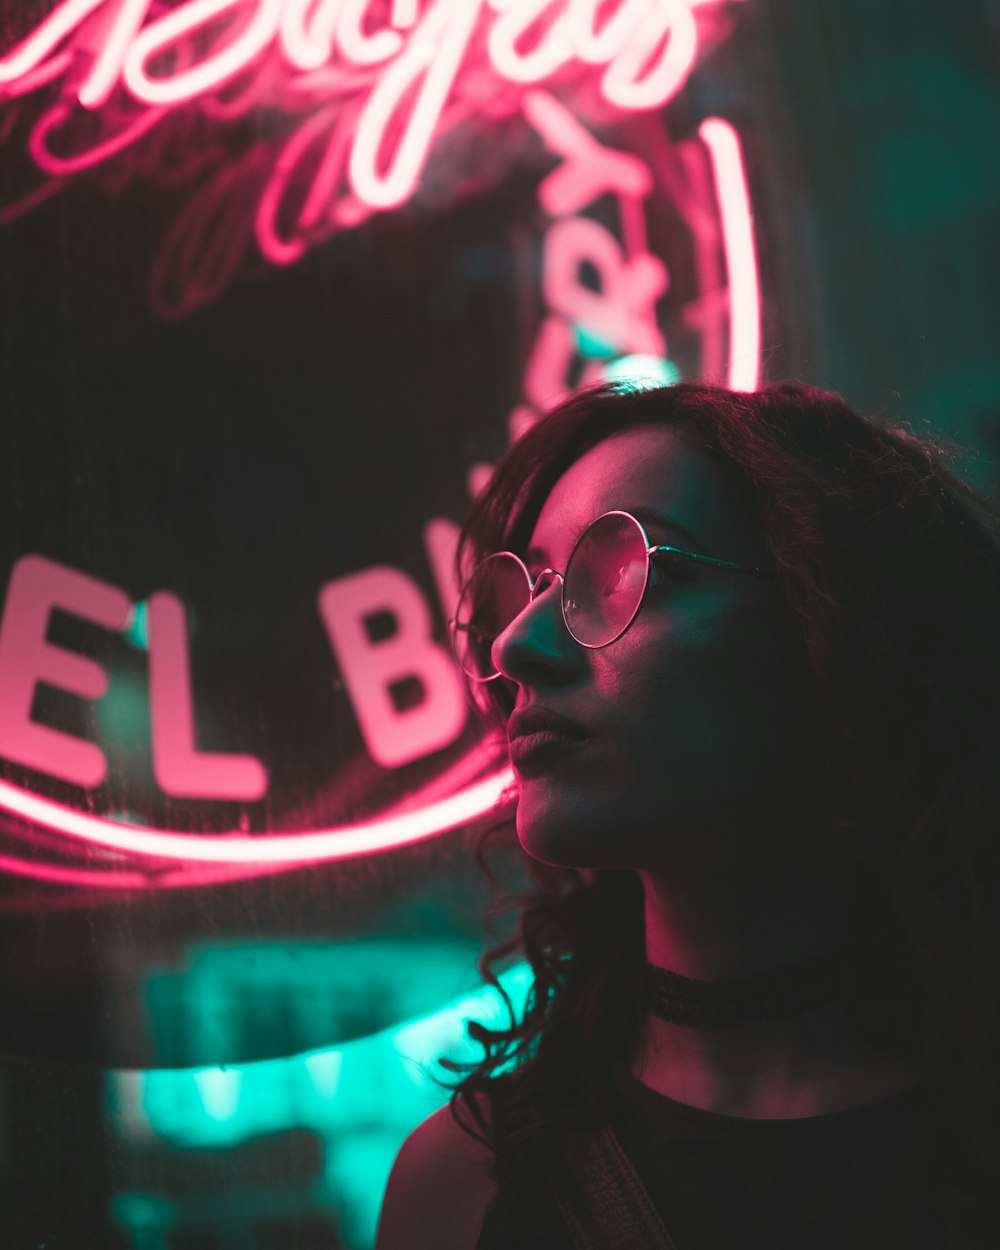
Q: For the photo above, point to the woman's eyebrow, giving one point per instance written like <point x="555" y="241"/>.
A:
<point x="649" y="516"/>
<point x="538" y="556"/>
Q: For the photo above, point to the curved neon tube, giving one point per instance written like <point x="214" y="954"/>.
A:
<point x="137" y="879"/>
<point x="57" y="874"/>
<point x="621" y="83"/>
<point x="58" y="166"/>
<point x="599" y="48"/>
<point x="211" y="73"/>
<point x="741" y="258"/>
<point x="104" y="74"/>
<point x="27" y="55"/>
<point x="285" y="848"/>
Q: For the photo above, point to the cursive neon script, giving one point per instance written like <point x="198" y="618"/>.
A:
<point x="382" y="77"/>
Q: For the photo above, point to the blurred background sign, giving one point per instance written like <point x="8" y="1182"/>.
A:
<point x="281" y="279"/>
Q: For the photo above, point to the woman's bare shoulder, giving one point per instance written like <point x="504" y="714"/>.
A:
<point x="438" y="1189"/>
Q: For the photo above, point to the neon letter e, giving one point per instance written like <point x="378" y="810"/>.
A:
<point x="370" y="668"/>
<point x="37" y="585"/>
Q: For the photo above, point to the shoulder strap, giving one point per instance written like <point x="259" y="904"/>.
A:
<point x="602" y="1199"/>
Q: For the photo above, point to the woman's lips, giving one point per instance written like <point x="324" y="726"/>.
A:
<point x="538" y="748"/>
<point x="538" y="736"/>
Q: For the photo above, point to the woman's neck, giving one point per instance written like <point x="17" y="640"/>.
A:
<point x="803" y="1066"/>
<point x="718" y="928"/>
<point x="715" y="926"/>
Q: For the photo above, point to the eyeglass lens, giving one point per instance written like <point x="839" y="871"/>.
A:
<point x="605" y="579"/>
<point x="497" y="591"/>
<point x="604" y="584"/>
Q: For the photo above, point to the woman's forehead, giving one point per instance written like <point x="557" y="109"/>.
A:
<point x="649" y="467"/>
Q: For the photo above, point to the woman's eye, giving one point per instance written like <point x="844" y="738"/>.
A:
<point x="622" y="580"/>
<point x="674" y="568"/>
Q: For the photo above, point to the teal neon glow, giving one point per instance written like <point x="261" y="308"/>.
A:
<point x="590" y="345"/>
<point x="218" y="1106"/>
<point x="361" y="1099"/>
<point x="647" y="371"/>
<point x="137" y="629"/>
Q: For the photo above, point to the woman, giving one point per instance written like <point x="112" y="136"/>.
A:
<point x="754" y="720"/>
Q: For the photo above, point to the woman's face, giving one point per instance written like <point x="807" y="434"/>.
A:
<point x="691" y="721"/>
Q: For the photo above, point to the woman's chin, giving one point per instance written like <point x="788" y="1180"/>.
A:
<point x="548" y="831"/>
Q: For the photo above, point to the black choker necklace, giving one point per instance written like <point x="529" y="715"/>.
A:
<point x="741" y="1000"/>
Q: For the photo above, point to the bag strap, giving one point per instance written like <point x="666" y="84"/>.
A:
<point x="602" y="1199"/>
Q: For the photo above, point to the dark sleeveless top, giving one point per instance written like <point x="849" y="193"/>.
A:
<point x="850" y="1180"/>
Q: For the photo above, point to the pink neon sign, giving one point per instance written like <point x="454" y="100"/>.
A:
<point x="625" y="313"/>
<point x="365" y="85"/>
<point x="133" y="64"/>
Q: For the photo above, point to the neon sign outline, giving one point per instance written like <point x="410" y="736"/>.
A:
<point x="314" y="53"/>
<point x="473" y="801"/>
<point x="304" y="32"/>
<point x="289" y="849"/>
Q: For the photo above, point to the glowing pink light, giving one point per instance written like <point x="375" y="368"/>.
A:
<point x="46" y="36"/>
<point x="278" y="849"/>
<point x="741" y="260"/>
<point x="599" y="47"/>
<point x="310" y="33"/>
<point x="144" y="879"/>
<point x="549" y="54"/>
<point x="434" y="60"/>
<point x="217" y="69"/>
<point x="59" y="166"/>
<point x="179" y="767"/>
<point x="11" y="212"/>
<point x="278" y="250"/>
<point x="404" y="13"/>
<point x="589" y="168"/>
<point x="625" y="84"/>
<point x="308" y="44"/>
<point x="362" y="48"/>
<point x="39" y="76"/>
<point x="100" y="82"/>
<point x="57" y="874"/>
<point x="435" y="57"/>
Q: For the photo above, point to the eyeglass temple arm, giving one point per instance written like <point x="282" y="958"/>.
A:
<point x="719" y="564"/>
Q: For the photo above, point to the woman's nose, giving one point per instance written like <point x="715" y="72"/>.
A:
<point x="536" y="648"/>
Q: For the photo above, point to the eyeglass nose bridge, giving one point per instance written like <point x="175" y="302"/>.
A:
<point x="542" y="582"/>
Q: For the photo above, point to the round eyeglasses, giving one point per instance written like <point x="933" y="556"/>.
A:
<point x="601" y="590"/>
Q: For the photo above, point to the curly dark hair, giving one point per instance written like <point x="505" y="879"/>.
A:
<point x="889" y="568"/>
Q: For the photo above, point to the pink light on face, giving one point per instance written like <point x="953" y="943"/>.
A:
<point x="276" y="849"/>
<point x="741" y="259"/>
<point x="212" y="72"/>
